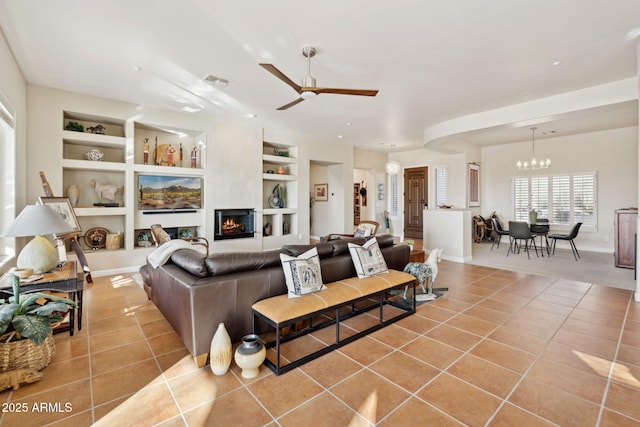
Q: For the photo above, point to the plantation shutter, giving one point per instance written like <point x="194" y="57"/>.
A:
<point x="584" y="199"/>
<point x="561" y="189"/>
<point x="521" y="199"/>
<point x="393" y="195"/>
<point x="441" y="186"/>
<point x="540" y="195"/>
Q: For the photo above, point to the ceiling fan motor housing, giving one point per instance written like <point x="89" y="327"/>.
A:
<point x="308" y="81"/>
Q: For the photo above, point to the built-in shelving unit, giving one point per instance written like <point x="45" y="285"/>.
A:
<point x="118" y="160"/>
<point x="279" y="215"/>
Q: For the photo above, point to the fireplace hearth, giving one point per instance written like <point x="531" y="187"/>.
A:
<point x="234" y="224"/>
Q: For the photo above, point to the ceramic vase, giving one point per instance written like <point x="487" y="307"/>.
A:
<point x="73" y="193"/>
<point x="249" y="355"/>
<point x="221" y="351"/>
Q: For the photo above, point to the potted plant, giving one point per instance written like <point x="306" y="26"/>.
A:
<point x="26" y="338"/>
<point x="410" y="242"/>
<point x="144" y="238"/>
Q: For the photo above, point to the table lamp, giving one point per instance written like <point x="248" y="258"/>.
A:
<point x="37" y="220"/>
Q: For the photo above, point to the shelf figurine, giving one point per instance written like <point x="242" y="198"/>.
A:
<point x="194" y="156"/>
<point x="145" y="150"/>
<point x="170" y="151"/>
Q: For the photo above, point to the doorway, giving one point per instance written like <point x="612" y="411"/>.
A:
<point x="415" y="200"/>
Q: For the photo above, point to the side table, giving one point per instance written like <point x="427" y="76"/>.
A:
<point x="63" y="279"/>
<point x="417" y="255"/>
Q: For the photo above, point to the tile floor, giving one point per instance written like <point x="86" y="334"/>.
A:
<point x="500" y="349"/>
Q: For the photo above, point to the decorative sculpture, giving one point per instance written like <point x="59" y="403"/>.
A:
<point x="13" y="379"/>
<point x="104" y="191"/>
<point x="426" y="273"/>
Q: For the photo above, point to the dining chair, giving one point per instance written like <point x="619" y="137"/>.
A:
<point x="569" y="237"/>
<point x="519" y="231"/>
<point x="498" y="232"/>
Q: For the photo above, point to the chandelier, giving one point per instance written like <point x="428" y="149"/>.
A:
<point x="392" y="167"/>
<point x="533" y="163"/>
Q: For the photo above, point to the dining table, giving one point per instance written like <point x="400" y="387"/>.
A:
<point x="541" y="229"/>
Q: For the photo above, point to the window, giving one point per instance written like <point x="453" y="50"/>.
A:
<point x="564" y="199"/>
<point x="7" y="176"/>
<point x="393" y="195"/>
<point x="441" y="185"/>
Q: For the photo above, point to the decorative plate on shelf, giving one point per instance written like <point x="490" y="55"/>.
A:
<point x="96" y="237"/>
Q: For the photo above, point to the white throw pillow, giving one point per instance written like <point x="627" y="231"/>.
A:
<point x="368" y="259"/>
<point x="302" y="273"/>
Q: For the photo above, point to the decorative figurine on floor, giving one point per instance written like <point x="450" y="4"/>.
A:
<point x="13" y="379"/>
<point x="426" y="272"/>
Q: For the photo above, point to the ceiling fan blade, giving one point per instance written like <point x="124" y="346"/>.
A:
<point x="291" y="104"/>
<point x="360" y="92"/>
<point x="279" y="74"/>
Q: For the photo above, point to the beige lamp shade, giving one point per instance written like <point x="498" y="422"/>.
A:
<point x="37" y="220"/>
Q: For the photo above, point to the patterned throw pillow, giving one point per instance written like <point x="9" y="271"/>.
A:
<point x="302" y="273"/>
<point x="368" y="259"/>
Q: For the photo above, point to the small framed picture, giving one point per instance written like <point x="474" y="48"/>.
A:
<point x="63" y="207"/>
<point x="474" y="185"/>
<point x="321" y="192"/>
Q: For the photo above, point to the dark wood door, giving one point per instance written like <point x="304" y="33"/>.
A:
<point x="415" y="199"/>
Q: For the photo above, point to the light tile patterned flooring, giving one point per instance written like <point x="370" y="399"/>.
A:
<point x="500" y="348"/>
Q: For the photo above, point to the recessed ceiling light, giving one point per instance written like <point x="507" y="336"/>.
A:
<point x="136" y="68"/>
<point x="348" y="123"/>
<point x="555" y="63"/>
<point x="340" y="136"/>
<point x="215" y="81"/>
<point x="252" y="115"/>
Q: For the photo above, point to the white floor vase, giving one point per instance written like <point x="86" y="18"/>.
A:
<point x="221" y="351"/>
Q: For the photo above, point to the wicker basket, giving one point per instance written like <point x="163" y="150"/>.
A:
<point x="26" y="354"/>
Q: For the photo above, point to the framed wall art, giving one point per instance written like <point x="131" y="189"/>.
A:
<point x="321" y="192"/>
<point x="474" y="185"/>
<point x="63" y="207"/>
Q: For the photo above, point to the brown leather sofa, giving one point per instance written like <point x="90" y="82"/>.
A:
<point x="196" y="292"/>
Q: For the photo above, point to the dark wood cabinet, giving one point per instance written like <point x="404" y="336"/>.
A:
<point x="625" y="237"/>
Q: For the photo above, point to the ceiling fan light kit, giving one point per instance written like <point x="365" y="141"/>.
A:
<point x="309" y="89"/>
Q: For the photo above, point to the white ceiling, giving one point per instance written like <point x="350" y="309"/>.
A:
<point x="432" y="60"/>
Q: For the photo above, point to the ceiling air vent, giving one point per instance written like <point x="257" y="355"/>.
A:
<point x="215" y="81"/>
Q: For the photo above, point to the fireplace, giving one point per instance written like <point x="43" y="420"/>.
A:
<point x="234" y="224"/>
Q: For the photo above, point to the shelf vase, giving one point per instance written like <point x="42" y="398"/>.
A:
<point x="73" y="193"/>
<point x="221" y="351"/>
<point x="250" y="355"/>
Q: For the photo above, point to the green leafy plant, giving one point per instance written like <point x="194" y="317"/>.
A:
<point x="30" y="316"/>
<point x="409" y="242"/>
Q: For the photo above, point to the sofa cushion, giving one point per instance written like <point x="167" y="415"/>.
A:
<point x="384" y="240"/>
<point x="191" y="261"/>
<point x="341" y="246"/>
<point x="324" y="249"/>
<point x="368" y="259"/>
<point x="235" y="262"/>
<point x="302" y="273"/>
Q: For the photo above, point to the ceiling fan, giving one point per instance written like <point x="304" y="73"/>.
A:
<point x="309" y="89"/>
